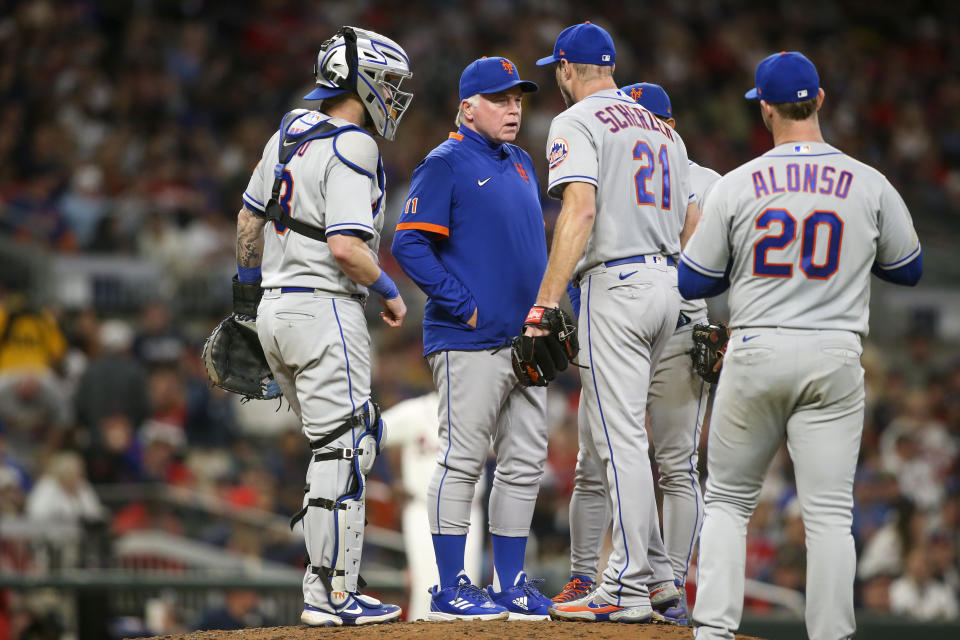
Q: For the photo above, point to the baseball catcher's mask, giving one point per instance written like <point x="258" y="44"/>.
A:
<point x="370" y="65"/>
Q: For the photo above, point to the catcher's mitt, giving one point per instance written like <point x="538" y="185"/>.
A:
<point x="709" y="346"/>
<point x="536" y="359"/>
<point x="235" y="362"/>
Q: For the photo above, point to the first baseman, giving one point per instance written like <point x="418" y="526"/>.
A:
<point x="677" y="404"/>
<point x="619" y="251"/>
<point x="471" y="236"/>
<point x="312" y="214"/>
<point x="795" y="234"/>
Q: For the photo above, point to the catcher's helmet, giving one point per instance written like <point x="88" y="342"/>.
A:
<point x="369" y="65"/>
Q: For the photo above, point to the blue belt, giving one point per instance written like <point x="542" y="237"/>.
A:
<point x="355" y="296"/>
<point x="613" y="263"/>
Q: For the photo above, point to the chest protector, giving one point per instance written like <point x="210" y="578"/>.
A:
<point x="298" y="128"/>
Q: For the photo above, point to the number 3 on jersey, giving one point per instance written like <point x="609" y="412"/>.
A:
<point x="286" y="196"/>
<point x="821" y="269"/>
<point x="643" y="153"/>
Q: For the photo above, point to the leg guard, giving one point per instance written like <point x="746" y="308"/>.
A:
<point x="341" y="575"/>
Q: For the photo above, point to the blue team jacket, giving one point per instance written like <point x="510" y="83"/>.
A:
<point x="471" y="235"/>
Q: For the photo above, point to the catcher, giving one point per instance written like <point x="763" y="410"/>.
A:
<point x="308" y="234"/>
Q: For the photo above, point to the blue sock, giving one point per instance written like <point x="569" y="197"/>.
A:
<point x="449" y="551"/>
<point x="508" y="558"/>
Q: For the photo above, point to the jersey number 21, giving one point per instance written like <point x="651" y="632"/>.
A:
<point x="643" y="153"/>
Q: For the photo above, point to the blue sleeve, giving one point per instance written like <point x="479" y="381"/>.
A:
<point x="430" y="198"/>
<point x="574" y="294"/>
<point x="908" y="275"/>
<point x="694" y="285"/>
<point x="417" y="256"/>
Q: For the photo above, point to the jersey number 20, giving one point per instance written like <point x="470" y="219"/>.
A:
<point x="811" y="268"/>
<point x="643" y="153"/>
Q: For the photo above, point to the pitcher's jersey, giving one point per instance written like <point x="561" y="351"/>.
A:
<point x="639" y="166"/>
<point x="321" y="190"/>
<point x="802" y="226"/>
<point x="700" y="179"/>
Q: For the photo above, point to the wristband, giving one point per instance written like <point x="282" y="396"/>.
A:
<point x="384" y="286"/>
<point x="248" y="274"/>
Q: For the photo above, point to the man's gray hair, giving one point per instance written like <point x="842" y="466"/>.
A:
<point x="473" y="100"/>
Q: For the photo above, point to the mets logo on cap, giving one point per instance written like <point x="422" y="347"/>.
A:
<point x="558" y="152"/>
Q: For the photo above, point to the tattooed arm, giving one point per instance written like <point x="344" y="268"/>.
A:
<point x="249" y="239"/>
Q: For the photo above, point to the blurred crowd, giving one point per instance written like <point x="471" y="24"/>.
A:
<point x="131" y="128"/>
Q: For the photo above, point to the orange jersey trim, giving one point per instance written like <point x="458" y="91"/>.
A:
<point x="424" y="226"/>
<point x="455" y="135"/>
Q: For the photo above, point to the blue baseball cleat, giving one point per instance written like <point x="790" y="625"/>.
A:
<point x="463" y="601"/>
<point x="357" y="610"/>
<point x="669" y="600"/>
<point x="523" y="601"/>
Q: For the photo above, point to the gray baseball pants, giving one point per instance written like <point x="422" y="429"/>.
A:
<point x="804" y="386"/>
<point x="481" y="402"/>
<point x="625" y="325"/>
<point x="318" y="349"/>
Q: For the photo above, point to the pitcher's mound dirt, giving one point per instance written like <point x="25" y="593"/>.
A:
<point x="459" y="631"/>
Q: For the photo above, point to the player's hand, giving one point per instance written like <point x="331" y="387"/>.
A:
<point x="473" y="319"/>
<point x="394" y="311"/>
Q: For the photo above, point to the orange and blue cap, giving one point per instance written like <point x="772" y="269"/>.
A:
<point x="583" y="43"/>
<point x="651" y="97"/>
<point x="787" y="76"/>
<point x="490" y="75"/>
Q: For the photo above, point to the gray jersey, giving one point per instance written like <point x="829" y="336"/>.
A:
<point x="320" y="189"/>
<point x="645" y="187"/>
<point x="701" y="178"/>
<point x="802" y="225"/>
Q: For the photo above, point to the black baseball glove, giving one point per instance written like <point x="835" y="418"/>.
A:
<point x="536" y="359"/>
<point x="235" y="362"/>
<point x="709" y="346"/>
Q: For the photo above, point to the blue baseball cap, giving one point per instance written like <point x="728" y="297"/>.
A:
<point x="583" y="43"/>
<point x="787" y="76"/>
<point x="651" y="97"/>
<point x="490" y="75"/>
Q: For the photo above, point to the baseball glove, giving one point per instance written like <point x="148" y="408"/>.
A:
<point x="235" y="362"/>
<point x="709" y="346"/>
<point x="537" y="359"/>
